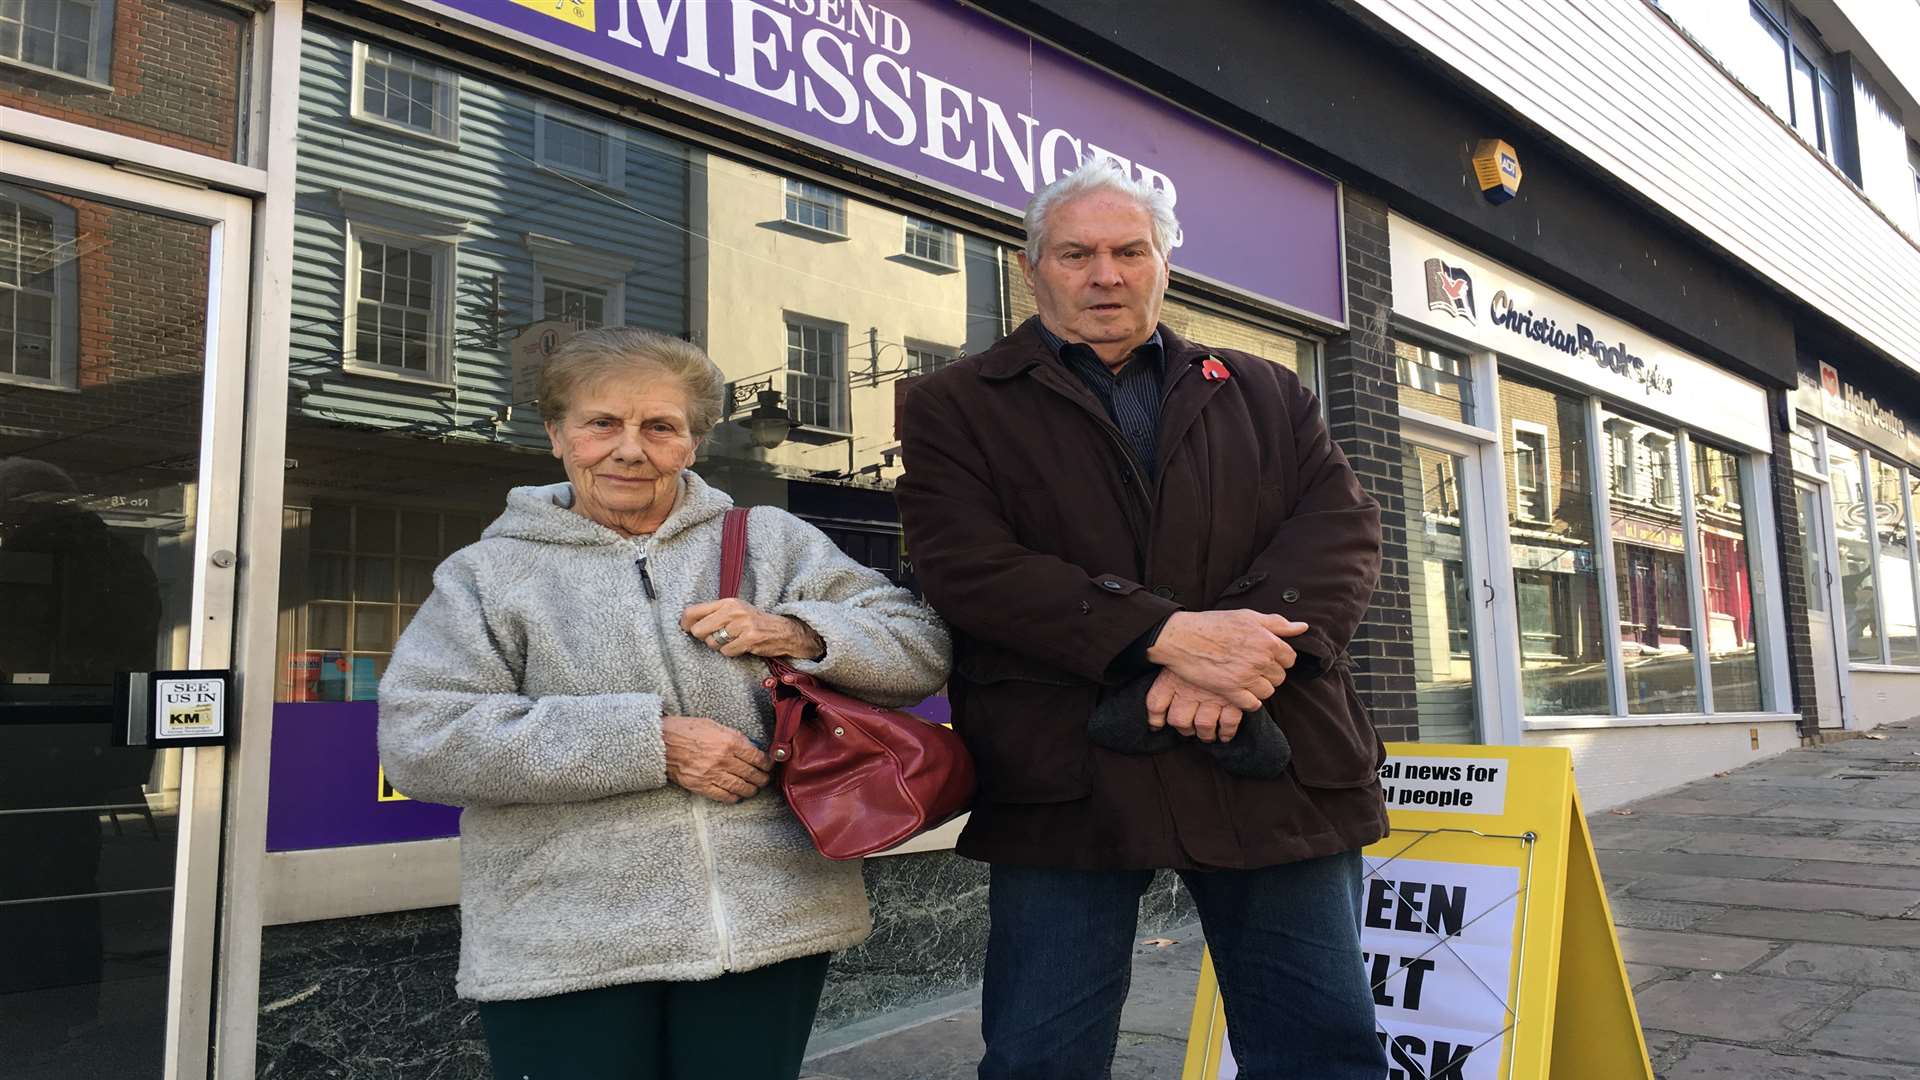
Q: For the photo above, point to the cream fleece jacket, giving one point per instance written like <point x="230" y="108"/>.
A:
<point x="529" y="690"/>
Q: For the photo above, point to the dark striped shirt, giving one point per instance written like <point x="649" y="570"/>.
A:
<point x="1132" y="397"/>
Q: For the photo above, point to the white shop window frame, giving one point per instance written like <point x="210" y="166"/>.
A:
<point x="446" y="126"/>
<point x="1826" y="441"/>
<point x="613" y="177"/>
<point x="577" y="266"/>
<point x="1496" y="638"/>
<point x="419" y="229"/>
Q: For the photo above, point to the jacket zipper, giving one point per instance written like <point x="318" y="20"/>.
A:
<point x="1144" y="498"/>
<point x="702" y="836"/>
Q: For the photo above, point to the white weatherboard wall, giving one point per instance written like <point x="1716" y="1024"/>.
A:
<point x="1620" y="764"/>
<point x="1621" y="86"/>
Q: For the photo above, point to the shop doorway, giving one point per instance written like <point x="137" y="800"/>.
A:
<point x="1450" y="586"/>
<point x="122" y="362"/>
<point x="1817" y="542"/>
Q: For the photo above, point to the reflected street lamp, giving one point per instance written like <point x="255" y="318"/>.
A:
<point x="769" y="422"/>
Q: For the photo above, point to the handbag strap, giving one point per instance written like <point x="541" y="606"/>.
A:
<point x="733" y="552"/>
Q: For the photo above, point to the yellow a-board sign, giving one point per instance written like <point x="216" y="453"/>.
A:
<point x="1482" y="911"/>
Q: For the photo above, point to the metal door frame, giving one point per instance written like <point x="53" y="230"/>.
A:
<point x="1489" y="603"/>
<point x="191" y="970"/>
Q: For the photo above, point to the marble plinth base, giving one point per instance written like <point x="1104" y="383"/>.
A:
<point x="372" y="998"/>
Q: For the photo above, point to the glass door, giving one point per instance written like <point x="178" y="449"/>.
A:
<point x="1817" y="535"/>
<point x="122" y="328"/>
<point x="1449" y="586"/>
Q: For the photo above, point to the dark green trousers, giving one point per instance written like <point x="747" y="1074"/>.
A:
<point x="750" y="1025"/>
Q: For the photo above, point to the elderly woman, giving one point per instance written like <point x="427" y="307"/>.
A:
<point x="634" y="901"/>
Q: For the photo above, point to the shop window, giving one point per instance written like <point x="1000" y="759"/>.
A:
<point x="924" y="359"/>
<point x="1893" y="545"/>
<point x="931" y="242"/>
<point x="578" y="145"/>
<point x="816" y="373"/>
<point x="70" y="37"/>
<point x="1529" y="471"/>
<point x="1720" y="522"/>
<point x="1551" y="529"/>
<point x="39" y="289"/>
<point x="1859" y="594"/>
<point x="1652" y="582"/>
<point x="1432" y="381"/>
<point x="395" y="90"/>
<point x="812" y="206"/>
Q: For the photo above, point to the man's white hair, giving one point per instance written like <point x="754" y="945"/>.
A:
<point x="1097" y="175"/>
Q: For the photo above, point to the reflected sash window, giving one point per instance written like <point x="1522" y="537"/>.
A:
<point x="813" y="206"/>
<point x="930" y="241"/>
<point x="71" y="37"/>
<point x="396" y="90"/>
<point x="816" y="354"/>
<point x="38" y="289"/>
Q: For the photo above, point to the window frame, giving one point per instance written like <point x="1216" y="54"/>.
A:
<point x="64" y="364"/>
<point x="357" y="110"/>
<point x="841" y="420"/>
<point x="414" y="228"/>
<point x="576" y="266"/>
<point x="950" y="237"/>
<point x="613" y="177"/>
<point x="99" y="72"/>
<point x="916" y="349"/>
<point x="811" y="193"/>
<point x="1516" y="429"/>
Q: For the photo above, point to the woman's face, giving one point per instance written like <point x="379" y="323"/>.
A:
<point x="624" y="441"/>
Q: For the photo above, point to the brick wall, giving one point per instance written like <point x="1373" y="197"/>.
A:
<point x="175" y="72"/>
<point x="1793" y="567"/>
<point x="1363" y="409"/>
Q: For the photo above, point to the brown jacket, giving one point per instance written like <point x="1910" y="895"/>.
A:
<point x="1030" y="534"/>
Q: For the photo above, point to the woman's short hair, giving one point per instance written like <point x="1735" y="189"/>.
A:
<point x="590" y="356"/>
<point x="1103" y="174"/>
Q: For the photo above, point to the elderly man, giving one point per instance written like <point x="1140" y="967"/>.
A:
<point x="1152" y="556"/>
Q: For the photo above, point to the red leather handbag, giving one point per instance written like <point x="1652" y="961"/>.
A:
<point x="860" y="777"/>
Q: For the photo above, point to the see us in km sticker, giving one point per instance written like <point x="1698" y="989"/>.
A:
<point x="575" y="12"/>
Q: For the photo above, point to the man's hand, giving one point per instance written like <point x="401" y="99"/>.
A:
<point x="1190" y="710"/>
<point x="751" y="631"/>
<point x="1241" y="655"/>
<point x="711" y="759"/>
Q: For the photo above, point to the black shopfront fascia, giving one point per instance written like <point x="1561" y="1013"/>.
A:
<point x="1325" y="87"/>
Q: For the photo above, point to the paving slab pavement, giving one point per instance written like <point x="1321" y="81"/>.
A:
<point x="1769" y="916"/>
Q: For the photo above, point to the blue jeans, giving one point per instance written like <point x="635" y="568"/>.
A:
<point x="1286" y="947"/>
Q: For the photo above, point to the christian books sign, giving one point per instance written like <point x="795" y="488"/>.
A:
<point x="958" y="100"/>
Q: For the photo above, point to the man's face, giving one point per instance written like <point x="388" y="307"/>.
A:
<point x="1099" y="279"/>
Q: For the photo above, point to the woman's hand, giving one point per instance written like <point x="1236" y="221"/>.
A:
<point x="750" y="631"/>
<point x="713" y="760"/>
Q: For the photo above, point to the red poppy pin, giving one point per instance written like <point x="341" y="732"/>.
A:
<point x="1213" y="370"/>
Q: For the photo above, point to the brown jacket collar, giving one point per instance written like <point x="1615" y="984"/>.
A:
<point x="1024" y="348"/>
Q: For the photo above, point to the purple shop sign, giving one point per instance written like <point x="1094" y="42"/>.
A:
<point x="956" y="99"/>
<point x="324" y="785"/>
